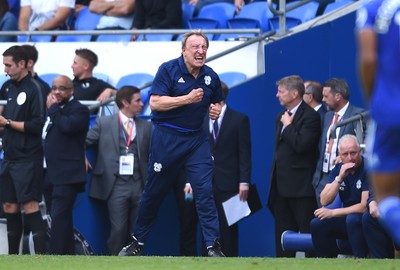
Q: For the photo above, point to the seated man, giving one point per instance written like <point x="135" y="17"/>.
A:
<point x="44" y="15"/>
<point x="117" y="14"/>
<point x="349" y="180"/>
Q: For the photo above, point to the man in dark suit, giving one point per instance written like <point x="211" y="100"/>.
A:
<point x="64" y="134"/>
<point x="121" y="164"/>
<point x="313" y="97"/>
<point x="298" y="128"/>
<point x="231" y="148"/>
<point x="336" y="95"/>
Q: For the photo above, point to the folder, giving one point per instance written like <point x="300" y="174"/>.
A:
<point x="235" y="209"/>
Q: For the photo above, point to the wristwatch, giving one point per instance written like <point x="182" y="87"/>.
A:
<point x="8" y="122"/>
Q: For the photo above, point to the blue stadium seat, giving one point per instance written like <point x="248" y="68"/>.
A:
<point x="217" y="12"/>
<point x="138" y="80"/>
<point x="49" y="77"/>
<point x="187" y="13"/>
<point x="337" y="5"/>
<point x="73" y="38"/>
<point x="255" y="11"/>
<point x="86" y="20"/>
<point x="155" y="37"/>
<point x="232" y="78"/>
<point x="114" y="38"/>
<point x="290" y="23"/>
<point x="204" y="23"/>
<point x="303" y="13"/>
<point x="34" y="38"/>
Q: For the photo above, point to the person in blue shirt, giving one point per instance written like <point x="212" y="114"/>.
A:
<point x="349" y="180"/>
<point x="379" y="51"/>
<point x="183" y="92"/>
<point x="8" y="22"/>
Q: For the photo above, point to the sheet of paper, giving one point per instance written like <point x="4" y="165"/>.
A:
<point x="235" y="209"/>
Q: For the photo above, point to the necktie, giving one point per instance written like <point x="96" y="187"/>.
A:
<point x="215" y="130"/>
<point x="331" y="140"/>
<point x="128" y="125"/>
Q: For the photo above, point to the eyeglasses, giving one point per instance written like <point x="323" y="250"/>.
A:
<point x="61" y="88"/>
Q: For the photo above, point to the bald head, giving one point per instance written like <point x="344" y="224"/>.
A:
<point x="62" y="88"/>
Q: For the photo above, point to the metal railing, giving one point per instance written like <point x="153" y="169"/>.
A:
<point x="29" y="34"/>
<point x="360" y="126"/>
<point x="283" y="9"/>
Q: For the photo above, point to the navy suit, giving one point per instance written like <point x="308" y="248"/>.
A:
<point x="291" y="196"/>
<point x="320" y="179"/>
<point x="232" y="166"/>
<point x="65" y="159"/>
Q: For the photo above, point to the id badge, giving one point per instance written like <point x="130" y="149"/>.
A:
<point x="126" y="165"/>
<point x="325" y="166"/>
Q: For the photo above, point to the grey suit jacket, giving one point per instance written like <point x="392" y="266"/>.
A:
<point x="105" y="134"/>
<point x="347" y="129"/>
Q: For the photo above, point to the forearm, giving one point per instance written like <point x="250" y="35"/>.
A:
<point x="121" y="8"/>
<point x="166" y="103"/>
<point x="57" y="21"/>
<point x="23" y="19"/>
<point x="100" y="6"/>
<point x="329" y="193"/>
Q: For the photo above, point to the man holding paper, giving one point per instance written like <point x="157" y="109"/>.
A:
<point x="231" y="148"/>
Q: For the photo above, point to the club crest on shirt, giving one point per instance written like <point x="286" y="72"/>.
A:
<point x="157" y="167"/>
<point x="207" y="80"/>
<point x="86" y="84"/>
<point x="358" y="184"/>
<point x="21" y="98"/>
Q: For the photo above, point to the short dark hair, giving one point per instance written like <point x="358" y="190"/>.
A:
<point x="314" y="88"/>
<point x="338" y="86"/>
<point x="88" y="55"/>
<point x="293" y="82"/>
<point x="225" y="90"/>
<point x="17" y="53"/>
<point x="31" y="51"/>
<point x="125" y="93"/>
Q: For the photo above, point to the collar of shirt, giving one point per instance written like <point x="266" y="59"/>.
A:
<point x="123" y="117"/>
<point x="342" y="111"/>
<point x="316" y="108"/>
<point x="293" y="111"/>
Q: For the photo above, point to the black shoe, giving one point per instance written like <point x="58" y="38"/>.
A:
<point x="215" y="250"/>
<point x="134" y="248"/>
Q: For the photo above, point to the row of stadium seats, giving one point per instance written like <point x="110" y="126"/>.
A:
<point x="214" y="16"/>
